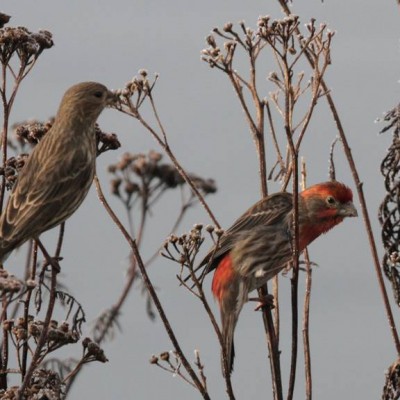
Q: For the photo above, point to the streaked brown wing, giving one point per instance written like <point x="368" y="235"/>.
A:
<point x="42" y="190"/>
<point x="265" y="212"/>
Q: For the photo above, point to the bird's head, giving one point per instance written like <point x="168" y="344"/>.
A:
<point x="329" y="200"/>
<point x="322" y="206"/>
<point x="87" y="100"/>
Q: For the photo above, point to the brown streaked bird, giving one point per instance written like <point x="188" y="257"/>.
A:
<point x="59" y="172"/>
<point x="259" y="245"/>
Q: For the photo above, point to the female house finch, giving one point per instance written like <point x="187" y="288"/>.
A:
<point x="259" y="245"/>
<point x="59" y="171"/>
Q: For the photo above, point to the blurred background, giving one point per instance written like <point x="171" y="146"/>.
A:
<point x="109" y="42"/>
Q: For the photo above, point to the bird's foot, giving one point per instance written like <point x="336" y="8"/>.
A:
<point x="266" y="301"/>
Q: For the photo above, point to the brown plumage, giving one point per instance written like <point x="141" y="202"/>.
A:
<point x="259" y="245"/>
<point x="59" y="171"/>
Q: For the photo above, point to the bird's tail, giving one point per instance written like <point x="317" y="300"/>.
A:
<point x="231" y="291"/>
<point x="229" y="320"/>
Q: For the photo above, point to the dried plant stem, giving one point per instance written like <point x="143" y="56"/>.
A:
<point x="367" y="223"/>
<point x="306" y="307"/>
<point x="306" y="327"/>
<point x="152" y="292"/>
<point x="364" y="209"/>
<point x="164" y="144"/>
<point x="72" y="375"/>
<point x="295" y="263"/>
<point x="274" y="138"/>
<point x="114" y="312"/>
<point x="257" y="125"/>
<point x="257" y="130"/>
<point x="7" y="106"/>
<point x="201" y="295"/>
<point x="43" y="336"/>
<point x="275" y="293"/>
<point x="27" y="302"/>
<point x="4" y="348"/>
<point x="288" y="112"/>
<point x="273" y="347"/>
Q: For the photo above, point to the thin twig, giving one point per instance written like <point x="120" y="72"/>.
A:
<point x="295" y="243"/>
<point x="43" y="336"/>
<point x="152" y="292"/>
<point x="135" y="113"/>
<point x="211" y="316"/>
<point x="306" y="326"/>
<point x="360" y="192"/>
<point x="306" y="307"/>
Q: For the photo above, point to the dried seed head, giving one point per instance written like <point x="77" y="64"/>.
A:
<point x="219" y="232"/>
<point x="155" y="156"/>
<point x="4" y="19"/>
<point x="53" y="324"/>
<point x="131" y="187"/>
<point x="8" y="324"/>
<point x="210" y="228"/>
<point x="164" y="356"/>
<point x="64" y="326"/>
<point x="34" y="329"/>
<point x="173" y="239"/>
<point x="210" y="39"/>
<point x="228" y="27"/>
<point x="115" y="185"/>
<point x="153" y="359"/>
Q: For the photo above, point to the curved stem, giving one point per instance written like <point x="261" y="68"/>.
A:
<point x="152" y="292"/>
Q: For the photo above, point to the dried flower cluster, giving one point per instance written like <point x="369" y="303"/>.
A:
<point x="9" y="284"/>
<point x="12" y="167"/>
<point x="58" y="335"/>
<point x="92" y="351"/>
<point x="184" y="249"/>
<point x="185" y="246"/>
<point x="27" y="45"/>
<point x="144" y="175"/>
<point x="106" y="141"/>
<point x="168" y="361"/>
<point x="389" y="212"/>
<point x="135" y="91"/>
<point x="280" y="31"/>
<point x="30" y="132"/>
<point x="45" y="384"/>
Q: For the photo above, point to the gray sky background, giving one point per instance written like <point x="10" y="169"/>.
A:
<point x="108" y="42"/>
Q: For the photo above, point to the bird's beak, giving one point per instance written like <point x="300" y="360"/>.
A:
<point x="112" y="98"/>
<point x="348" y="210"/>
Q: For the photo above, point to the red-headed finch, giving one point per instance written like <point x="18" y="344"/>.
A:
<point x="57" y="175"/>
<point x="259" y="245"/>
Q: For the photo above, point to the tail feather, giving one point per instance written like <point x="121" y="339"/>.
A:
<point x="228" y="328"/>
<point x="231" y="291"/>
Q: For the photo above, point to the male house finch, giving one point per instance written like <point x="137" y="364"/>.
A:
<point x="259" y="245"/>
<point x="59" y="171"/>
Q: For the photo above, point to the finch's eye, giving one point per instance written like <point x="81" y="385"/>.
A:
<point x="330" y="200"/>
<point x="98" y="94"/>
